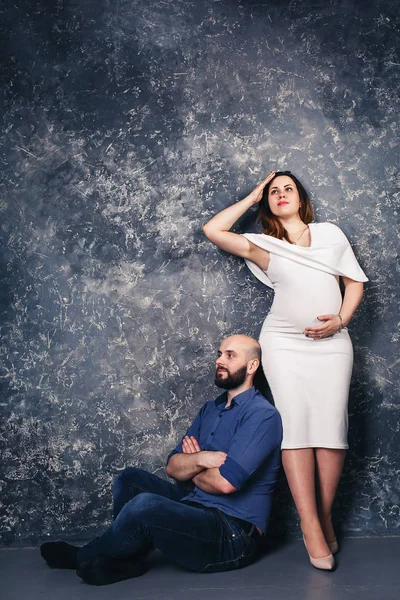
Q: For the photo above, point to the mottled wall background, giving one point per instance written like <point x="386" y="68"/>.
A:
<point x="126" y="124"/>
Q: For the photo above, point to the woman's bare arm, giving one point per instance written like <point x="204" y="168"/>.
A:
<point x="353" y="294"/>
<point x="218" y="228"/>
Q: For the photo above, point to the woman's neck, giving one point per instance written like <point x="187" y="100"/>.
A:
<point x="292" y="224"/>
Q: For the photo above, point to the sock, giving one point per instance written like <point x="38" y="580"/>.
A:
<point x="60" y="555"/>
<point x="104" y="570"/>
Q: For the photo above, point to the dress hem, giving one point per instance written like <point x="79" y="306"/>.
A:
<point x="329" y="447"/>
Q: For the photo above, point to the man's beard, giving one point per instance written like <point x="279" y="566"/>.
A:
<point x="233" y="380"/>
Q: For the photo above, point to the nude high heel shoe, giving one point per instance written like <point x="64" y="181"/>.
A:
<point x="325" y="563"/>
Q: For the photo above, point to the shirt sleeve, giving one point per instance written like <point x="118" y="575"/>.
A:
<point x="193" y="430"/>
<point x="256" y="438"/>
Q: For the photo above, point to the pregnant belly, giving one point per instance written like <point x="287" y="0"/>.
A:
<point x="294" y="312"/>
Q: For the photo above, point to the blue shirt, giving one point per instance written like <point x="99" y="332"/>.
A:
<point x="250" y="432"/>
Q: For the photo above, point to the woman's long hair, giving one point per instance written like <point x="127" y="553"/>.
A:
<point x="270" y="223"/>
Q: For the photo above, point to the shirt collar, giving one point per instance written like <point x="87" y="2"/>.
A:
<point x="221" y="400"/>
<point x="244" y="396"/>
<point x="239" y="399"/>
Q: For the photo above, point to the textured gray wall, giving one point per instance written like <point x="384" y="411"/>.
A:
<point x="126" y="125"/>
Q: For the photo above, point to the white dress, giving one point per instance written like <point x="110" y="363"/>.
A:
<point x="309" y="379"/>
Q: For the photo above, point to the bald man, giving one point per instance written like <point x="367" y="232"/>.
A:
<point x="230" y="456"/>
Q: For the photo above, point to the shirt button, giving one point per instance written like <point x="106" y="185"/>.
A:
<point x="233" y="535"/>
<point x="220" y="416"/>
<point x="212" y="433"/>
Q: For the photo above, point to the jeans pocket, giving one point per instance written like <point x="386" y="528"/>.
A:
<point x="233" y="528"/>
<point x="238" y="547"/>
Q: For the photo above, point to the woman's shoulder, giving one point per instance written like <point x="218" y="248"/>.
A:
<point x="326" y="225"/>
<point x="328" y="229"/>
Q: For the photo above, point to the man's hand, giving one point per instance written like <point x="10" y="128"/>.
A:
<point x="190" y="445"/>
<point x="192" y="460"/>
<point x="207" y="459"/>
<point x="212" y="460"/>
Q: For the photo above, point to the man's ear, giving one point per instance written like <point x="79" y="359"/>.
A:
<point x="252" y="366"/>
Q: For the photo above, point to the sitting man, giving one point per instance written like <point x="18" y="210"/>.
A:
<point x="231" y="457"/>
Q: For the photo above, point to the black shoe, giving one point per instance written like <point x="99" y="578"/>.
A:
<point x="104" y="570"/>
<point x="60" y="555"/>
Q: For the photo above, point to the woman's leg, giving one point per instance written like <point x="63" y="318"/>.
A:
<point x="329" y="465"/>
<point x="300" y="467"/>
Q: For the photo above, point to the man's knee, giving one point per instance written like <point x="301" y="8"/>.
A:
<point x="127" y="485"/>
<point x="128" y="479"/>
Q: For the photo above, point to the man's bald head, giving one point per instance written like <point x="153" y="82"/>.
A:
<point x="246" y="343"/>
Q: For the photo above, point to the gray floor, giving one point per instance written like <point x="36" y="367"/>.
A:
<point x="368" y="569"/>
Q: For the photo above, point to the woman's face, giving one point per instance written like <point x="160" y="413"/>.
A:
<point x="283" y="197"/>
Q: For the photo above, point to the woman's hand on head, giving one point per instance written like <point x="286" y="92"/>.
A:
<point x="330" y="324"/>
<point x="257" y="193"/>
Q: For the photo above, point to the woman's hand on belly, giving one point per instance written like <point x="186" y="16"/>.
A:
<point x="330" y="324"/>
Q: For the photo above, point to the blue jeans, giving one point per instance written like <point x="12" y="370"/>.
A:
<point x="148" y="513"/>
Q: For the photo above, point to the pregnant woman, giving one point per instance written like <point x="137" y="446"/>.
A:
<point x="307" y="353"/>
